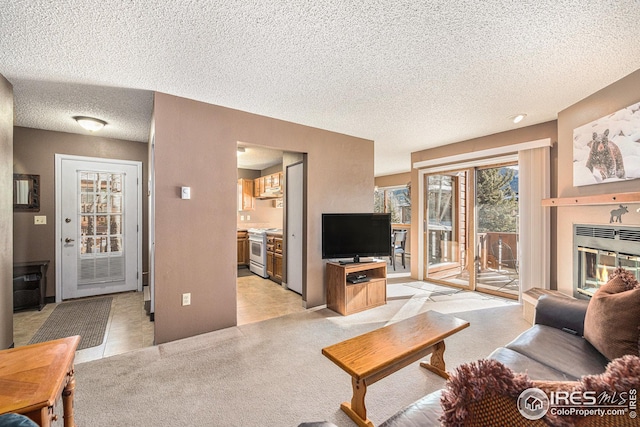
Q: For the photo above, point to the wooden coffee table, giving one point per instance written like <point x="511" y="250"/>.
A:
<point x="33" y="377"/>
<point x="372" y="356"/>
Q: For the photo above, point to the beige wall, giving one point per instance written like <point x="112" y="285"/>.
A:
<point x="271" y="170"/>
<point x="503" y="139"/>
<point x="195" y="145"/>
<point x="394" y="180"/>
<point x="6" y="214"/>
<point x="34" y="153"/>
<point x="248" y="174"/>
<point x="606" y="101"/>
<point x="265" y="215"/>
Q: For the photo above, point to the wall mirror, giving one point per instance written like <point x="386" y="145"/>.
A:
<point x="26" y="192"/>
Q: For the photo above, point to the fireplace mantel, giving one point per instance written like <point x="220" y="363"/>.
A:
<point x="600" y="199"/>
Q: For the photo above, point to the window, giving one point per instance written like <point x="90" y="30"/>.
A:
<point x="497" y="199"/>
<point x="394" y="200"/>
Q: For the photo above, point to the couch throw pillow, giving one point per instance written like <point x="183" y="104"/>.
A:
<point x="612" y="322"/>
<point x="486" y="393"/>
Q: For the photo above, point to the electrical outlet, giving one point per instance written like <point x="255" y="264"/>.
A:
<point x="40" y="219"/>
<point x="248" y="217"/>
<point x="241" y="217"/>
<point x="186" y="299"/>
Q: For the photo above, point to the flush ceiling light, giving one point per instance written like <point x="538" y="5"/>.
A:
<point x="517" y="118"/>
<point x="90" y="123"/>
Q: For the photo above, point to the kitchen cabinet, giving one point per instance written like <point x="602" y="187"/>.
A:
<point x="270" y="264"/>
<point x="268" y="186"/>
<point x="258" y="186"/>
<point x="277" y="268"/>
<point x="274" y="257"/>
<point x="276" y="179"/>
<point x="245" y="195"/>
<point x="277" y="259"/>
<point x="243" y="247"/>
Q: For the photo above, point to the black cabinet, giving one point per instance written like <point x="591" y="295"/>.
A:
<point x="29" y="284"/>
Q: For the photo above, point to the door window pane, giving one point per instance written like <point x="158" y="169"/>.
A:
<point x="497" y="229"/>
<point x="116" y="224"/>
<point x="446" y="232"/>
<point x="116" y="204"/>
<point x="100" y="212"/>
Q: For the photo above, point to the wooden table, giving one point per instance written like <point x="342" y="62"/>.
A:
<point x="33" y="377"/>
<point x="376" y="354"/>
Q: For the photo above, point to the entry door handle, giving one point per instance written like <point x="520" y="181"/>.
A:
<point x="68" y="240"/>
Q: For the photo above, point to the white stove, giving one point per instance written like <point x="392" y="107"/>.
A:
<point x="258" y="250"/>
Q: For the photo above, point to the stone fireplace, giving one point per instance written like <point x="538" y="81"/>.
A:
<point x="599" y="250"/>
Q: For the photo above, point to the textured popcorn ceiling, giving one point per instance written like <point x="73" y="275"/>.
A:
<point x="258" y="158"/>
<point x="408" y="74"/>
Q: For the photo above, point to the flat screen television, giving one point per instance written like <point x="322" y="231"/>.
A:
<point x="355" y="235"/>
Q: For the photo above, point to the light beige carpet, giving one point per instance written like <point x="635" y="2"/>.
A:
<point x="272" y="373"/>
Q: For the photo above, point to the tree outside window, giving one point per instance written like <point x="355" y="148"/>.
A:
<point x="394" y="200"/>
<point x="497" y="199"/>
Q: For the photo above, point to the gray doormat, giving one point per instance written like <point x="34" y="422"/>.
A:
<point x="87" y="318"/>
<point x="244" y="272"/>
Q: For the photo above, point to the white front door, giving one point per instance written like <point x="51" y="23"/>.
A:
<point x="98" y="214"/>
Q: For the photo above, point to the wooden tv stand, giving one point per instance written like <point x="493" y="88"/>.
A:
<point x="346" y="298"/>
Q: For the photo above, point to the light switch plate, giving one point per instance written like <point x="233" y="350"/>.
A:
<point x="185" y="193"/>
<point x="40" y="219"/>
<point x="186" y="299"/>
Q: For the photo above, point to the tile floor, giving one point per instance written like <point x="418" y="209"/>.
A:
<point x="129" y="326"/>
<point x="260" y="299"/>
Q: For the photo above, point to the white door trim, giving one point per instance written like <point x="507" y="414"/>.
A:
<point x="58" y="197"/>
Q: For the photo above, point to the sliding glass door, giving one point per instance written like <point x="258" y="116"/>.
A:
<point x="447" y="228"/>
<point x="471" y="229"/>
